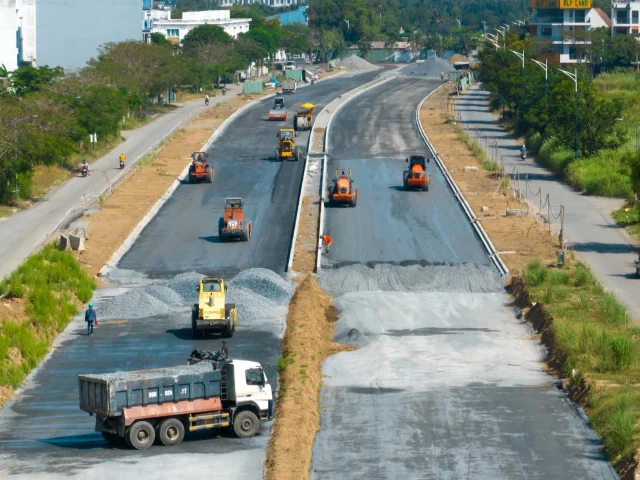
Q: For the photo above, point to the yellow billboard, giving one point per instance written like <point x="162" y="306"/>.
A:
<point x="560" y="4"/>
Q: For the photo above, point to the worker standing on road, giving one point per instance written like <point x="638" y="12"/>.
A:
<point x="224" y="351"/>
<point x="326" y="241"/>
<point x="90" y="317"/>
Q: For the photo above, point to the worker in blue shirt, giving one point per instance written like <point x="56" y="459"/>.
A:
<point x="90" y="317"/>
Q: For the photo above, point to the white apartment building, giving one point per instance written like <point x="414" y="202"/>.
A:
<point x="556" y="20"/>
<point x="625" y="17"/>
<point x="269" y="3"/>
<point x="17" y="33"/>
<point x="175" y="30"/>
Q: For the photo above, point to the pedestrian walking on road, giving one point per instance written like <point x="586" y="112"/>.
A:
<point x="327" y="241"/>
<point x="224" y="351"/>
<point x="90" y="317"/>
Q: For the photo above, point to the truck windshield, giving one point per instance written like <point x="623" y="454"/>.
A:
<point x="254" y="376"/>
<point x="211" y="287"/>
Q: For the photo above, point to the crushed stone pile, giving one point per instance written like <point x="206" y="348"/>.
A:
<point x="430" y="68"/>
<point x="355" y="63"/>
<point x="254" y="292"/>
<point x="464" y="278"/>
<point x="154" y="373"/>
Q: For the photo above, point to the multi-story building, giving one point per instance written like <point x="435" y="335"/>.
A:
<point x="17" y="33"/>
<point x="625" y="17"/>
<point x="563" y="24"/>
<point x="175" y="30"/>
<point x="269" y="3"/>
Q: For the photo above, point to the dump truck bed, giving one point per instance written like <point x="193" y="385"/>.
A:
<point x="108" y="394"/>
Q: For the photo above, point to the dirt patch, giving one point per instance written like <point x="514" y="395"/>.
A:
<point x="135" y="196"/>
<point x="521" y="238"/>
<point x="307" y="342"/>
<point x="304" y="258"/>
<point x="5" y="395"/>
<point x="13" y="309"/>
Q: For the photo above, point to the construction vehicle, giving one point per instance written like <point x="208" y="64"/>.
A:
<point x="233" y="223"/>
<point x="289" y="86"/>
<point x="137" y="408"/>
<point x="211" y="313"/>
<point x="417" y="176"/>
<point x="302" y="119"/>
<point x="342" y="192"/>
<point x="200" y="169"/>
<point x="287" y="149"/>
<point x="279" y="111"/>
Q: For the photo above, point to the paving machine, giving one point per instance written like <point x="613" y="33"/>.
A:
<point x="233" y="224"/>
<point x="342" y="192"/>
<point x="287" y="149"/>
<point x="279" y="111"/>
<point x="211" y="313"/>
<point x="417" y="176"/>
<point x="200" y="170"/>
<point x="302" y="119"/>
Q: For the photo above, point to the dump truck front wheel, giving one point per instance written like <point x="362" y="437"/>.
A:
<point x="171" y="432"/>
<point x="246" y="424"/>
<point x="141" y="435"/>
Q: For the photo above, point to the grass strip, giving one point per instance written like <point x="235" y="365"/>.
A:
<point x="487" y="162"/>
<point x="52" y="284"/>
<point x="593" y="341"/>
<point x="307" y="342"/>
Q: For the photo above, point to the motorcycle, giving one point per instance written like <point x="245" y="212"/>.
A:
<point x="121" y="163"/>
<point x="206" y="102"/>
<point x="523" y="155"/>
<point x="85" y="170"/>
<point x="224" y="90"/>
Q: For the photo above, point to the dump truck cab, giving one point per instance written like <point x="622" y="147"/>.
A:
<point x="416" y="177"/>
<point x="200" y="170"/>
<point x="287" y="149"/>
<point x="233" y="224"/>
<point x="211" y="313"/>
<point x="279" y="111"/>
<point x="342" y="192"/>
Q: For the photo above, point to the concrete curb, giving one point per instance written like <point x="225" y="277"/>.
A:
<point x="131" y="238"/>
<point x="484" y="238"/>
<point x="323" y="182"/>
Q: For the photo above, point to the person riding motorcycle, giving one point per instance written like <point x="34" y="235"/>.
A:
<point x="206" y="100"/>
<point x="122" y="159"/>
<point x="85" y="166"/>
<point x="523" y="151"/>
<point x="224" y="89"/>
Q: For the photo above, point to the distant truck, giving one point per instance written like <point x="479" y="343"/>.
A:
<point x="289" y="86"/>
<point x="138" y="407"/>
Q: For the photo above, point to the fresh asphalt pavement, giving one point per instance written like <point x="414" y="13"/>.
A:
<point x="184" y="235"/>
<point x="46" y="435"/>
<point x="588" y="227"/>
<point x="373" y="135"/>
<point x="445" y="383"/>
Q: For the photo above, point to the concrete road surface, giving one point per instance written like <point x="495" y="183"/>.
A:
<point x="184" y="234"/>
<point x="446" y="383"/>
<point x="21" y="233"/>
<point x="588" y="226"/>
<point x="373" y="135"/>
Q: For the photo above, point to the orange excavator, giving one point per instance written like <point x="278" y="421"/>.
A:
<point x="417" y="176"/>
<point x="342" y="192"/>
<point x="200" y="169"/>
<point x="234" y="224"/>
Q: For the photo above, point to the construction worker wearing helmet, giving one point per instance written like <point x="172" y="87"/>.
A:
<point x="90" y="317"/>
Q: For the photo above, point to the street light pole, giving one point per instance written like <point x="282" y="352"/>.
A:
<point x="545" y="66"/>
<point x="574" y="77"/>
<point x="521" y="57"/>
<point x="15" y="144"/>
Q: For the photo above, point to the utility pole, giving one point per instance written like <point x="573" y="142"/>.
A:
<point x="574" y="77"/>
<point x="521" y="57"/>
<point x="545" y="66"/>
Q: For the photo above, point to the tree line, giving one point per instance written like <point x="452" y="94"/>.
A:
<point x="46" y="115"/>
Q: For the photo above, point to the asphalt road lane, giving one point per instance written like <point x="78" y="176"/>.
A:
<point x="373" y="136"/>
<point x="184" y="235"/>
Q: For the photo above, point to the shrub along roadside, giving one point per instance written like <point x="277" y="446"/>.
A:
<point x="52" y="283"/>
<point x="592" y="340"/>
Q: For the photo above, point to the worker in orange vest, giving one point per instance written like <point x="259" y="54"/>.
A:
<point x="326" y="241"/>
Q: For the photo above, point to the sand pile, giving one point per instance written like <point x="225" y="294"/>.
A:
<point x="355" y="63"/>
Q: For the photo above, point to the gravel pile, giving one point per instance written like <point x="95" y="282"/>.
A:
<point x="464" y="278"/>
<point x="186" y="285"/>
<point x="251" y="306"/>
<point x="136" y="303"/>
<point x="431" y="68"/>
<point x="265" y="283"/>
<point x="154" y="373"/>
<point x="355" y="63"/>
<point x="165" y="295"/>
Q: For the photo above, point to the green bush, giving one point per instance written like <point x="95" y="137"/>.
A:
<point x="556" y="277"/>
<point x="583" y="276"/>
<point x="606" y="174"/>
<point x="535" y="274"/>
<point x="621" y="350"/>
<point x="612" y="311"/>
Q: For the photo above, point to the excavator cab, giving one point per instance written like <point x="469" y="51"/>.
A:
<point x="342" y="192"/>
<point x="417" y="176"/>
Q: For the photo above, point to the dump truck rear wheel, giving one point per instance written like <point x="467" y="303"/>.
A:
<point x="141" y="435"/>
<point x="171" y="432"/>
<point x="246" y="424"/>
